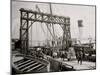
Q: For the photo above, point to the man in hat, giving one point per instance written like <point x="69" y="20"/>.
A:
<point x="80" y="56"/>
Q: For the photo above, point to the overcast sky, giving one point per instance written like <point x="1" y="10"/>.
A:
<point x="75" y="12"/>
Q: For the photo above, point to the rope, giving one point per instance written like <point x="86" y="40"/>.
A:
<point x="43" y="29"/>
<point x="36" y="32"/>
<point x="50" y="31"/>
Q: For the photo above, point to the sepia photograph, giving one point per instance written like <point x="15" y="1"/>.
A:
<point x="52" y="37"/>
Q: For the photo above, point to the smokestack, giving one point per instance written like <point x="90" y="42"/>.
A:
<point x="80" y="25"/>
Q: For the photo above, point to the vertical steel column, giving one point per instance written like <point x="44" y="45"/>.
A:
<point x="24" y="32"/>
<point x="27" y="38"/>
<point x="21" y="32"/>
<point x="66" y="34"/>
<point x="20" y="25"/>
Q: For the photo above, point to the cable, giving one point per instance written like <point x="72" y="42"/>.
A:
<point x="50" y="31"/>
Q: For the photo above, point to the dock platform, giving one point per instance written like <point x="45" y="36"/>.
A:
<point x="86" y="65"/>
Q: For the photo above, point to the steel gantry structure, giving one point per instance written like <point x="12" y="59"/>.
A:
<point x="28" y="17"/>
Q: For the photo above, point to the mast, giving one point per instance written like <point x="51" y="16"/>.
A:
<point x="52" y="25"/>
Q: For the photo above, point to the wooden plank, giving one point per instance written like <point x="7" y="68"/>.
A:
<point x="29" y="66"/>
<point x="23" y="63"/>
<point x="34" y="68"/>
<point x="41" y="68"/>
<point x="26" y="64"/>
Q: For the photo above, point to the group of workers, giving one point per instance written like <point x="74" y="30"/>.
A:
<point x="69" y="54"/>
<point x="62" y="54"/>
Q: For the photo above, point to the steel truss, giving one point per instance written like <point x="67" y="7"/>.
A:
<point x="28" y="17"/>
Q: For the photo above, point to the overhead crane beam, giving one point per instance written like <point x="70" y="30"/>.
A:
<point x="43" y="17"/>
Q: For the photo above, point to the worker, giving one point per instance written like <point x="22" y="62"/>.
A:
<point x="54" y="54"/>
<point x="68" y="55"/>
<point x="80" y="57"/>
<point x="63" y="55"/>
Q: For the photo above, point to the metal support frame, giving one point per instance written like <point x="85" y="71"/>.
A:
<point x="28" y="17"/>
<point x="66" y="34"/>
